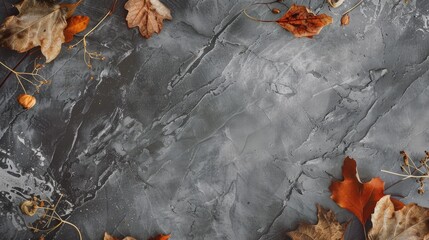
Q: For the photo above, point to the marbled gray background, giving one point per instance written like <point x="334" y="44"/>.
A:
<point x="220" y="127"/>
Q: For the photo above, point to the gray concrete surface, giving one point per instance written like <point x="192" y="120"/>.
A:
<point x="220" y="127"/>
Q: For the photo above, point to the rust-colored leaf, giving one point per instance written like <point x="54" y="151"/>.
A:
<point x="355" y="196"/>
<point x="147" y="15"/>
<point x="327" y="228"/>
<point x="75" y="25"/>
<point x="302" y="22"/>
<point x="409" y="223"/>
<point x="161" y="237"/>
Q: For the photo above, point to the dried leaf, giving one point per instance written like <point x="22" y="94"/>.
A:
<point x="110" y="237"/>
<point x="409" y="223"/>
<point x="70" y="7"/>
<point x="147" y="15"/>
<point x="301" y="22"/>
<point x="75" y="25"/>
<point x="158" y="237"/>
<point x="327" y="228"/>
<point x="37" y="24"/>
<point x="161" y="237"/>
<point x="355" y="196"/>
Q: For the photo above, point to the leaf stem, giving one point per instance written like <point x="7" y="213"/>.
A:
<point x="93" y="55"/>
<point x="10" y="72"/>
<point x="404" y="175"/>
<point x="352" y="8"/>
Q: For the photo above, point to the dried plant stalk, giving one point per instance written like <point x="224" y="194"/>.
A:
<point x="48" y="218"/>
<point x="411" y="170"/>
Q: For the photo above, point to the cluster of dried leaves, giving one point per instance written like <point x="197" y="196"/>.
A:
<point x="48" y="24"/>
<point x="390" y="218"/>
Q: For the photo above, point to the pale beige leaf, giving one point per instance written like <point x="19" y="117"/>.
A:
<point x="147" y="15"/>
<point x="37" y="24"/>
<point x="110" y="237"/>
<point x="327" y="228"/>
<point x="409" y="223"/>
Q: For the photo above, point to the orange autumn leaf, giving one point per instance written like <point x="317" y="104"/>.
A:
<point x="161" y="237"/>
<point x="302" y="22"/>
<point x="75" y="25"/>
<point x="355" y="196"/>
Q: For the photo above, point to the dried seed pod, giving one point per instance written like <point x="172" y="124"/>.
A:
<point x="276" y="11"/>
<point x="345" y="20"/>
<point x="335" y="3"/>
<point x="29" y="207"/>
<point x="26" y="101"/>
<point x="406" y="162"/>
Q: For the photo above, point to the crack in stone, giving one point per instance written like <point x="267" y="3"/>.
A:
<point x="206" y="50"/>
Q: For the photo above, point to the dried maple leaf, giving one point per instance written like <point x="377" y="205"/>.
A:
<point x="110" y="237"/>
<point x="302" y="22"/>
<point x="161" y="237"/>
<point x="327" y="228"/>
<point x="355" y="196"/>
<point x="75" y="24"/>
<point x="409" y="223"/>
<point x="38" y="23"/>
<point x="147" y="15"/>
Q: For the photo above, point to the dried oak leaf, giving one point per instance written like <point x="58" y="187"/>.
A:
<point x="355" y="196"/>
<point x="302" y="22"/>
<point x="75" y="25"/>
<point x="327" y="228"/>
<point x="38" y="23"/>
<point x="409" y="223"/>
<point x="110" y="237"/>
<point x="147" y="15"/>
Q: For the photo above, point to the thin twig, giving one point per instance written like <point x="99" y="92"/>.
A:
<point x="43" y="212"/>
<point x="17" y="65"/>
<point x="352" y="8"/>
<point x="93" y="55"/>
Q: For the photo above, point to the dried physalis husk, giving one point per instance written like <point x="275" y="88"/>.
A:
<point x="26" y="101"/>
<point x="345" y="20"/>
<point x="335" y="3"/>
<point x="29" y="207"/>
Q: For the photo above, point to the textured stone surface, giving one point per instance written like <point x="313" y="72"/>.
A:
<point x="220" y="127"/>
